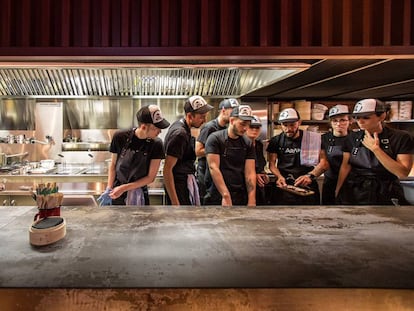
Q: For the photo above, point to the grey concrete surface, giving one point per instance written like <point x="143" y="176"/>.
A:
<point x="289" y="247"/>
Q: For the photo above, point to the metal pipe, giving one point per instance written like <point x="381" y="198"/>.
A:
<point x="23" y="154"/>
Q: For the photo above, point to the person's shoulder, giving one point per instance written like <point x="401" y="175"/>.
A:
<point x="276" y="137"/>
<point x="395" y="131"/>
<point x="123" y="133"/>
<point x="177" y="128"/>
<point x="211" y="126"/>
<point x="217" y="135"/>
<point x="211" y="123"/>
<point x="157" y="141"/>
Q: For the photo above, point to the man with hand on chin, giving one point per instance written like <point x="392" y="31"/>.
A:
<point x="374" y="159"/>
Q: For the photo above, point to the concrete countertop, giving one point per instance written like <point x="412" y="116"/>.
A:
<point x="163" y="246"/>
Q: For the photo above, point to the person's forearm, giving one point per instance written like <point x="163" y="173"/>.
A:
<point x="275" y="171"/>
<point x="219" y="182"/>
<point x="343" y="173"/>
<point x="251" y="190"/>
<point x="111" y="177"/>
<point x="170" y="187"/>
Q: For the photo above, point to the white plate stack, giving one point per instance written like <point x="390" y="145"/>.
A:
<point x="405" y="110"/>
<point x="318" y="112"/>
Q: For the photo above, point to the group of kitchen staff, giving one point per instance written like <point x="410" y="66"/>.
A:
<point x="360" y="167"/>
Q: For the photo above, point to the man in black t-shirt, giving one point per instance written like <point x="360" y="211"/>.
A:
<point x="231" y="162"/>
<point x="287" y="162"/>
<point x="135" y="159"/>
<point x="220" y="123"/>
<point x="179" y="168"/>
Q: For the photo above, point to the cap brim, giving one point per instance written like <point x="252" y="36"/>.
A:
<point x="162" y="124"/>
<point x="340" y="114"/>
<point x="204" y="109"/>
<point x="288" y="120"/>
<point x="363" y="114"/>
<point x="246" y="118"/>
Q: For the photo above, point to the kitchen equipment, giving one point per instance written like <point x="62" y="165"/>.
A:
<point x="47" y="230"/>
<point x="3" y="159"/>
<point x="297" y="190"/>
<point x="47" y="164"/>
<point x="408" y="187"/>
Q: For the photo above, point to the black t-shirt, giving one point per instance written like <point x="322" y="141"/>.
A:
<point x="233" y="155"/>
<point x="180" y="144"/>
<point x="333" y="147"/>
<point x="208" y="128"/>
<point x="125" y="142"/>
<point x="288" y="154"/>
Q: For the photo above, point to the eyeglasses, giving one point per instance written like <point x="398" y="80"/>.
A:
<point x="339" y="120"/>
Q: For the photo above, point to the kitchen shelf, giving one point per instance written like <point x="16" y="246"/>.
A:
<point x="401" y="121"/>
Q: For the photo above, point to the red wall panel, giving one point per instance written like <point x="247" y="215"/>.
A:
<point x="205" y="23"/>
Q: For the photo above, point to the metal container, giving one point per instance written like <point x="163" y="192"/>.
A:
<point x="408" y="187"/>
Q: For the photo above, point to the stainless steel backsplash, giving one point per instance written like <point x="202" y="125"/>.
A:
<point x="86" y="120"/>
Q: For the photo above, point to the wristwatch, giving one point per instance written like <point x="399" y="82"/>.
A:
<point x="311" y="176"/>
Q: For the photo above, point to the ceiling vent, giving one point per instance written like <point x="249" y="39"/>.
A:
<point x="119" y="81"/>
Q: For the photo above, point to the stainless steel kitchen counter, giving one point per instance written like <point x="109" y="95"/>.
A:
<point x="162" y="246"/>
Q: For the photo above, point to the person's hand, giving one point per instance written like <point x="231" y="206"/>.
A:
<point x="104" y="198"/>
<point x="371" y="141"/>
<point x="117" y="192"/>
<point x="262" y="179"/>
<point x="303" y="180"/>
<point x="281" y="182"/>
<point x="226" y="200"/>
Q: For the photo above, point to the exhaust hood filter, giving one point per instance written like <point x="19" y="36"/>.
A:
<point x="138" y="82"/>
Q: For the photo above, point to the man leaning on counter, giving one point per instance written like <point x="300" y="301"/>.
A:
<point x="135" y="160"/>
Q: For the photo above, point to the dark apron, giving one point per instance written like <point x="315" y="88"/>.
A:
<point x="201" y="174"/>
<point x="131" y="165"/>
<point x="238" y="192"/>
<point x="334" y="155"/>
<point x="364" y="187"/>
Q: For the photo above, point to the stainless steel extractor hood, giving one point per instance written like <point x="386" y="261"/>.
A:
<point x="78" y="80"/>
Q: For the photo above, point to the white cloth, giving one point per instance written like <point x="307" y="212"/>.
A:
<point x="193" y="190"/>
<point x="310" y="148"/>
<point x="135" y="197"/>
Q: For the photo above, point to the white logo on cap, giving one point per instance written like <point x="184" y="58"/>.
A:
<point x="284" y="115"/>
<point x="245" y="111"/>
<point x="233" y="102"/>
<point x="358" y="107"/>
<point x="334" y="110"/>
<point x="197" y="102"/>
<point x="156" y="115"/>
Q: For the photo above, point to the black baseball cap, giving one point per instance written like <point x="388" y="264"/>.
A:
<point x="228" y="103"/>
<point x="197" y="104"/>
<point x="243" y="112"/>
<point x="256" y="122"/>
<point x="152" y="115"/>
